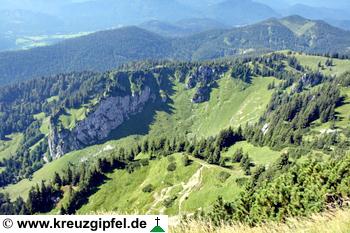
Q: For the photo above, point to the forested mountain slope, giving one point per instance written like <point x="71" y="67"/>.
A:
<point x="269" y="126"/>
<point x="98" y="52"/>
<point x="105" y="50"/>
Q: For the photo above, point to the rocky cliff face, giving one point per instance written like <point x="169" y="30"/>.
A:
<point x="60" y="141"/>
<point x="107" y="116"/>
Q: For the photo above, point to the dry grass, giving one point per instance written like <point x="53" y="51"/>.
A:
<point x="337" y="222"/>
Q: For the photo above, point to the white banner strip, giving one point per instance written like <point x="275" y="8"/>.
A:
<point x="83" y="223"/>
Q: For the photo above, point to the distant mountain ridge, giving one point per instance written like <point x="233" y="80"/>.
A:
<point x="108" y="49"/>
<point x="98" y="51"/>
<point x="182" y="28"/>
<point x="237" y="12"/>
<point x="316" y="12"/>
<point x="95" y="14"/>
<point x="27" y="18"/>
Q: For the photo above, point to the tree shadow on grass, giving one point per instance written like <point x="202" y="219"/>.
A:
<point x="139" y="124"/>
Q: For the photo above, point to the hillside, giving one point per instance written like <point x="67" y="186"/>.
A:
<point x="292" y="32"/>
<point x="106" y="50"/>
<point x="172" y="138"/>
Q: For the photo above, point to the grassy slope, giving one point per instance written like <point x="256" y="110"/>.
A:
<point x="47" y="172"/>
<point x="198" y="182"/>
<point x="297" y="28"/>
<point x="259" y="155"/>
<point x="72" y="116"/>
<point x="340" y="66"/>
<point x="123" y="192"/>
<point x="126" y="189"/>
<point x="231" y="104"/>
<point x="9" y="147"/>
<point x="212" y="188"/>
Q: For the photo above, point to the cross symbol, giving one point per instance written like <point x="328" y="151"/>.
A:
<point x="157" y="219"/>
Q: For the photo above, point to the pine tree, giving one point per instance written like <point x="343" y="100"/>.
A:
<point x="69" y="178"/>
<point x="186" y="160"/>
<point x="57" y="179"/>
<point x="237" y="157"/>
<point x="33" y="202"/>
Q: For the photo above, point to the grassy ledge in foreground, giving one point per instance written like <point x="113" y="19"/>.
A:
<point x="331" y="222"/>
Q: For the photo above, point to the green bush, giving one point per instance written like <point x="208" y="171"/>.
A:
<point x="223" y="176"/>
<point x="241" y="181"/>
<point x="148" y="188"/>
<point x="168" y="202"/>
<point x="171" y="167"/>
<point x="186" y="160"/>
<point x="144" y="162"/>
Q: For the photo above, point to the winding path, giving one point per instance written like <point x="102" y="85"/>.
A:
<point x="193" y="183"/>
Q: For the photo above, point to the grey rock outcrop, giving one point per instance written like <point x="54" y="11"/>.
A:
<point x="110" y="114"/>
<point x="203" y="75"/>
<point x="203" y="78"/>
<point x="60" y="141"/>
<point x="202" y="94"/>
<point x="107" y="116"/>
